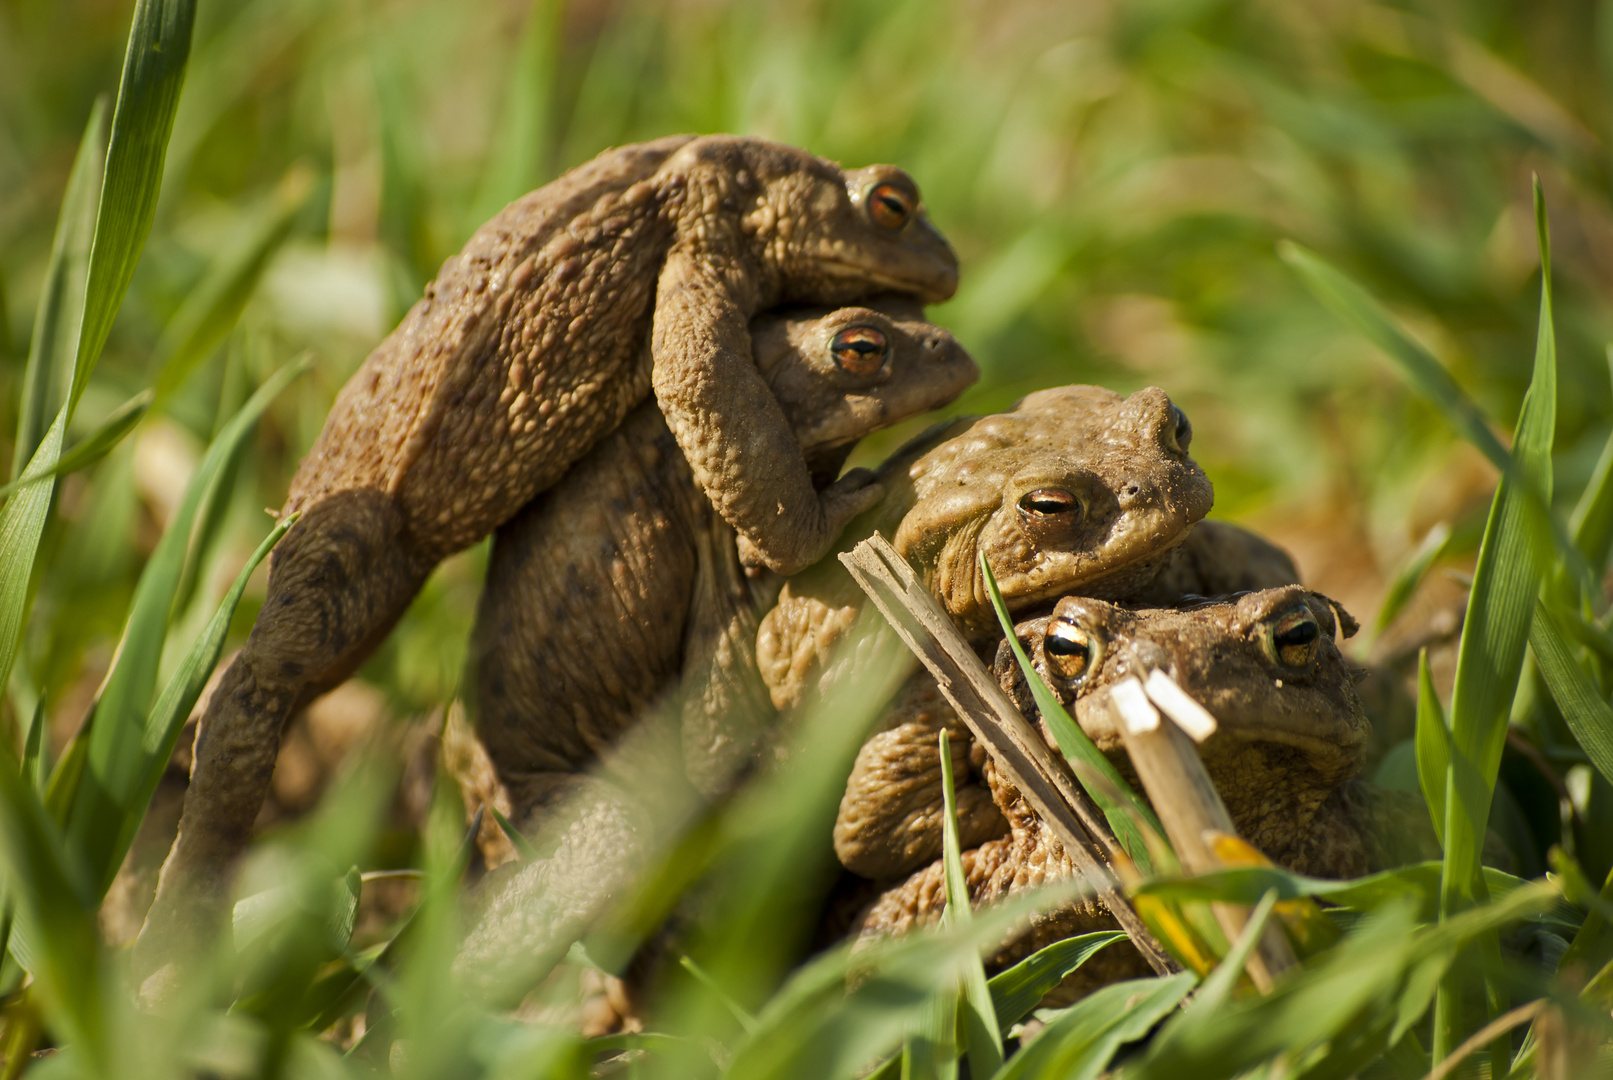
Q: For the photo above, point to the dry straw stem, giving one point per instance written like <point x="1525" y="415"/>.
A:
<point x="1014" y="745"/>
<point x="1173" y="775"/>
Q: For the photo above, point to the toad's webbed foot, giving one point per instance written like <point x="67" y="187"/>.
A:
<point x="340" y="579"/>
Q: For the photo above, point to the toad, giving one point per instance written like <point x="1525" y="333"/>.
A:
<point x="1290" y="740"/>
<point x="525" y="351"/>
<point x="1074" y="488"/>
<point x="626" y="558"/>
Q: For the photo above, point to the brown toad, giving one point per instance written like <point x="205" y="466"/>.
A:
<point x="1076" y="487"/>
<point x="625" y="557"/>
<point x="1290" y="739"/>
<point x="524" y="352"/>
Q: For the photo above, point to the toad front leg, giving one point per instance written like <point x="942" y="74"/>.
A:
<point x="729" y="425"/>
<point x="340" y="579"/>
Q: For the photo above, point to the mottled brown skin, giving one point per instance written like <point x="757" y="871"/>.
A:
<point x="1075" y="488"/>
<point x="526" y="351"/>
<point x="625" y="558"/>
<point x="1290" y="739"/>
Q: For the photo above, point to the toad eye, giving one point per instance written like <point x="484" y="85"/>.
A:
<point x="890" y="206"/>
<point x="1180" y="432"/>
<point x="1295" y="638"/>
<point x="1072" y="652"/>
<point x="1049" y="502"/>
<point x="859" y="350"/>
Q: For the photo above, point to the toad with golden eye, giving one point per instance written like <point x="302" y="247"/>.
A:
<point x="1075" y="488"/>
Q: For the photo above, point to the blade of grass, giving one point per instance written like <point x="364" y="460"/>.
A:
<point x="1591" y="523"/>
<point x="1411" y="575"/>
<point x="1355" y="306"/>
<point x="1076" y="747"/>
<point x="1015" y="992"/>
<point x="179" y="697"/>
<point x="1079" y="1041"/>
<point x="213" y="307"/>
<point x="978" y="1032"/>
<point x="58" y="911"/>
<point x="1433" y="745"/>
<point x="1584" y="709"/>
<point x="1218" y="987"/>
<point x="148" y="95"/>
<point x="93" y="447"/>
<point x="115" y="757"/>
<point x="54" y="348"/>
<point x="1495" y="631"/>
<point x="54" y="345"/>
<point x="517" y="162"/>
<point x="738" y="1012"/>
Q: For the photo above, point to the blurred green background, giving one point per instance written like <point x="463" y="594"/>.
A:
<point x="1114" y="176"/>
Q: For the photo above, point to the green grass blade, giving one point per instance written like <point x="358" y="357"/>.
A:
<point x="1495" y="631"/>
<point x="1584" y="709"/>
<point x="213" y="307"/>
<point x="179" y="697"/>
<point x="517" y="162"/>
<point x="93" y="447"/>
<point x="978" y="1029"/>
<point x="1219" y="984"/>
<point x="114" y="765"/>
<point x="33" y="758"/>
<point x="1355" y="306"/>
<point x="1433" y="745"/>
<point x="148" y="95"/>
<point x="523" y="846"/>
<point x="1079" y="1041"/>
<point x="1591" y="523"/>
<point x="737" y="1011"/>
<point x="56" y="908"/>
<point x="1412" y="574"/>
<point x="54" y="345"/>
<point x="1074" y="745"/>
<point x="1015" y="992"/>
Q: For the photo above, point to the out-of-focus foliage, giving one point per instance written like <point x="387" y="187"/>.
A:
<point x="1116" y="177"/>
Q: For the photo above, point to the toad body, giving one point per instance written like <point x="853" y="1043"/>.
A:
<point x="527" y="349"/>
<point x="626" y="559"/>
<point x="1075" y="489"/>
<point x="1290" y="740"/>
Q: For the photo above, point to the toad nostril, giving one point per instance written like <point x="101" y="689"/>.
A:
<point x="1132" y="489"/>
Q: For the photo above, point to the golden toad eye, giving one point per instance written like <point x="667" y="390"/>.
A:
<point x="1071" y="651"/>
<point x="1048" y="502"/>
<point x="859" y="350"/>
<point x="890" y="206"/>
<point x="1180" y="433"/>
<point x="1295" y="638"/>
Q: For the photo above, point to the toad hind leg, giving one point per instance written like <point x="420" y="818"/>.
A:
<point x="340" y="579"/>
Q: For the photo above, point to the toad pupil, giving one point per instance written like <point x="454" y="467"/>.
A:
<point x="859" y="350"/>
<point x="889" y="206"/>
<point x="1068" y="650"/>
<point x="1296" y="642"/>
<point x="1046" y="501"/>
